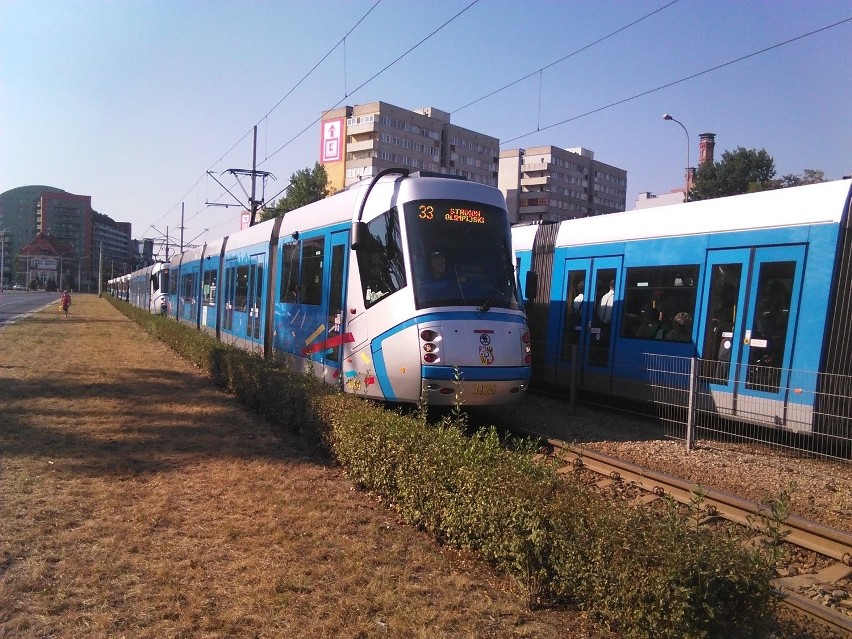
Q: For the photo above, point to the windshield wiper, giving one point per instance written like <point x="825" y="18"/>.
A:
<point x="486" y="305"/>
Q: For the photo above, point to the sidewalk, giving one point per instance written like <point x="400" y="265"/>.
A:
<point x="138" y="501"/>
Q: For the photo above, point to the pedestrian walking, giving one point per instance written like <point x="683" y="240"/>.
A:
<point x="65" y="302"/>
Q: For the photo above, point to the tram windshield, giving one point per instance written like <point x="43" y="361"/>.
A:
<point x="460" y="255"/>
<point x="161" y="281"/>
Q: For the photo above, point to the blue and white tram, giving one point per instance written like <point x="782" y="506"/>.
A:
<point x="146" y="288"/>
<point x="757" y="286"/>
<point x="348" y="288"/>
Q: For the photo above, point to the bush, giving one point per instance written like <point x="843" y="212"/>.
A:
<point x="644" y="573"/>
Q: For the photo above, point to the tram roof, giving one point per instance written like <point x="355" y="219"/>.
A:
<point x="822" y="203"/>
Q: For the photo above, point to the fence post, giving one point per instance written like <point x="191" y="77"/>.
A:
<point x="690" y="411"/>
<point x="572" y="394"/>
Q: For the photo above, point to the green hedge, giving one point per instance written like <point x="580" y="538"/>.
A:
<point x="641" y="572"/>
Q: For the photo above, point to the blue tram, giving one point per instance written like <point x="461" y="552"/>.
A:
<point x="401" y="288"/>
<point x="757" y="286"/>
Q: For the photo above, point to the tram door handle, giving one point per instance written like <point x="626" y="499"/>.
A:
<point x="747" y="338"/>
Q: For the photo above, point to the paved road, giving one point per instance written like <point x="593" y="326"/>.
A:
<point x="15" y="305"/>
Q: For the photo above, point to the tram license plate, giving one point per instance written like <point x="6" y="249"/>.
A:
<point x="485" y="389"/>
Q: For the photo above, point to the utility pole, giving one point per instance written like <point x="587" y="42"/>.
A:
<point x="253" y="201"/>
<point x="181" y="227"/>
<point x="2" y="259"/>
<point x="101" y="270"/>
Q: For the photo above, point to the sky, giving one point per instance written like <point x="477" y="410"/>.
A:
<point x="133" y="102"/>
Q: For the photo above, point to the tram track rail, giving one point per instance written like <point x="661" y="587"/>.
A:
<point x="823" y="540"/>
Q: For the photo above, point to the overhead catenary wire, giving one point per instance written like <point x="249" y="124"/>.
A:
<point x="371" y="78"/>
<point x="538" y="71"/>
<point x="681" y="80"/>
<point x="365" y="83"/>
<point x="566" y="57"/>
<point x="414" y="47"/>
<point x="265" y="116"/>
<point x="321" y="60"/>
<point x="406" y="53"/>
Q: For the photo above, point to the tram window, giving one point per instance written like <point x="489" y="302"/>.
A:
<point x="769" y="331"/>
<point x="256" y="275"/>
<point x="381" y="260"/>
<point x="573" y="312"/>
<point x="258" y="286"/>
<point x="188" y="288"/>
<point x="241" y="292"/>
<point x="230" y="275"/>
<point x="311" y="280"/>
<point x="604" y="304"/>
<point x="164" y="282"/>
<point x="721" y="320"/>
<point x="659" y="302"/>
<point x="208" y="291"/>
<point x="289" y="291"/>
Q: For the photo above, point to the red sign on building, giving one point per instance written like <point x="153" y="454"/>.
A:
<point x="332" y="141"/>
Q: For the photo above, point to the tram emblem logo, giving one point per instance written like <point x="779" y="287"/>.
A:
<point x="485" y="339"/>
<point x="486" y="355"/>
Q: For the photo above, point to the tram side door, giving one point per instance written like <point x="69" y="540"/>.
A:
<point x="254" y="297"/>
<point x="335" y="302"/>
<point x="590" y="318"/>
<point x="748" y="325"/>
<point x="228" y="295"/>
<point x="575" y="287"/>
<point x="774" y="289"/>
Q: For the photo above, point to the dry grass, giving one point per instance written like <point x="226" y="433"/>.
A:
<point x="137" y="501"/>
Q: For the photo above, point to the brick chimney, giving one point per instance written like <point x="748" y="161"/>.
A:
<point x="706" y="145"/>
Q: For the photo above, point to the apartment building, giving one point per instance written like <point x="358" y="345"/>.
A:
<point x="68" y="220"/>
<point x="551" y="184"/>
<point x="18" y="222"/>
<point x="92" y="236"/>
<point x="359" y="141"/>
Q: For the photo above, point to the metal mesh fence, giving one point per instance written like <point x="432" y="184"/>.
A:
<point x="804" y="413"/>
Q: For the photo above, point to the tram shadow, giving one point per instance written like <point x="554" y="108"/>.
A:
<point x="551" y="416"/>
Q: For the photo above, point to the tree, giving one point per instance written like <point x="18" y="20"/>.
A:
<point x="306" y="186"/>
<point x="810" y="176"/>
<point x="740" y="171"/>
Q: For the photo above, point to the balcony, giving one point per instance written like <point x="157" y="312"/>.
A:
<point x="535" y="210"/>
<point x="535" y="180"/>
<point x="364" y="127"/>
<point x="361" y="145"/>
<point x="537" y="167"/>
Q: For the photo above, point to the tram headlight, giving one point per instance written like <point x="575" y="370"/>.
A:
<point x="430" y="358"/>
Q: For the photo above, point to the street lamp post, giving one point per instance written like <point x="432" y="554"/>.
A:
<point x="2" y="259"/>
<point x="666" y="116"/>
<point x="61" y="256"/>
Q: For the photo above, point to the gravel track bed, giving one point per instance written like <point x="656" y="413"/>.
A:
<point x="823" y="488"/>
<point x="823" y="491"/>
